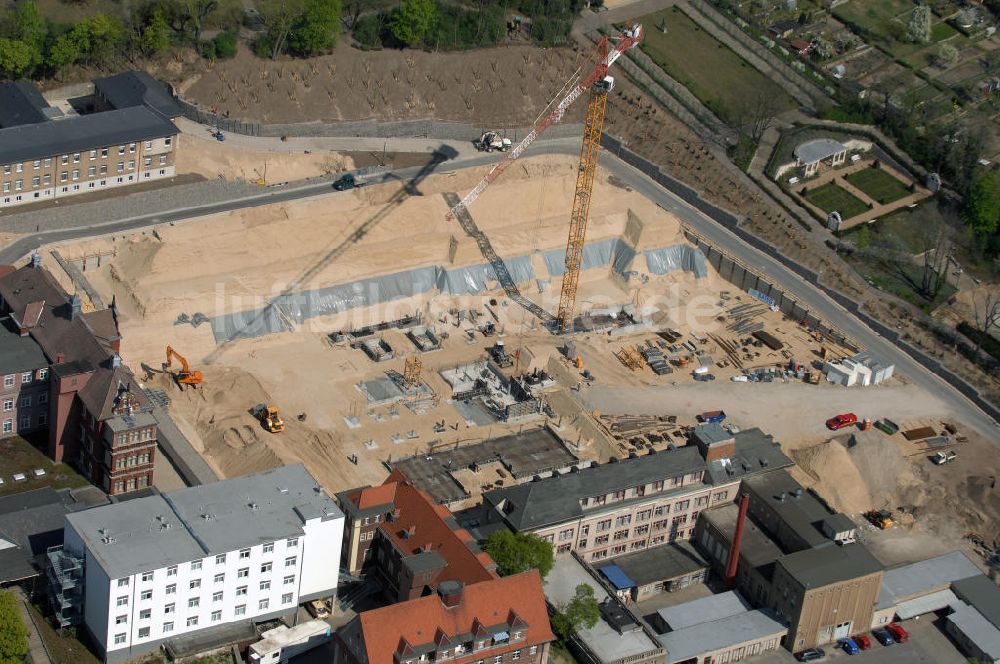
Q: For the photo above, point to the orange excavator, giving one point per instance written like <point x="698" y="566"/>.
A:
<point x="185" y="376"/>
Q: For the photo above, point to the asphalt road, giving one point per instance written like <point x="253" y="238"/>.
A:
<point x="962" y="409"/>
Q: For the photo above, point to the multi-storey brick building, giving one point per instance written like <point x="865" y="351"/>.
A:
<point x="628" y="505"/>
<point x="45" y="155"/>
<point x="412" y="544"/>
<point x="62" y="371"/>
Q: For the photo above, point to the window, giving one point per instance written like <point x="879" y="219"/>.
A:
<point x="623" y="520"/>
<point x="122" y="583"/>
<point x="621" y="534"/>
<point x="290" y="561"/>
<point x="243" y="573"/>
<point x="166" y="141"/>
<point x="244" y="553"/>
<point x="143" y="632"/>
<point x="566" y="534"/>
<point x="217" y="596"/>
<point x="119" y="639"/>
<point x="195" y="565"/>
<point x="121" y="620"/>
<point x="216" y="616"/>
<point x="93" y="155"/>
<point x="269" y="547"/>
<point x="661" y="510"/>
<point x="6" y="188"/>
<point x="25" y="401"/>
<point x="265" y="568"/>
<point x="263" y="604"/>
<point x="8" y="380"/>
<point x="192" y="621"/>
<point x="641" y="530"/>
<point x="18" y="185"/>
<point x="604" y="525"/>
<point x="601" y="539"/>
<point x="6" y="169"/>
<point x="721" y="495"/>
<point x="168" y="627"/>
<point x="145" y="614"/>
<point x="532" y="650"/>
<point x="25" y="421"/>
<point x="286" y="598"/>
<point x="220" y="578"/>
<point x="146" y="595"/>
<point x="121" y="149"/>
<point x="701" y="502"/>
<point x="131" y="147"/>
<point x="147" y="576"/>
<point x="289" y="580"/>
<point x="104" y="153"/>
<point x="195" y="583"/>
<point x="131" y="164"/>
<point x="171" y="588"/>
<point x="147" y="161"/>
<point x="193" y="602"/>
<point x="240" y="610"/>
<point x="683" y="505"/>
<point x="240" y="591"/>
<point x="515" y="655"/>
<point x="64" y="176"/>
<point x="292" y="542"/>
<point x="498" y="659"/>
<point x="42" y="419"/>
<point x="582" y="544"/>
<point x="8" y="426"/>
<point x="64" y="159"/>
<point x="92" y="172"/>
<point x="104" y="170"/>
<point x="35" y="181"/>
<point x="36" y="164"/>
<point x="8" y="405"/>
<point x="265" y="585"/>
<point x="172" y="570"/>
<point x="220" y="559"/>
<point x="168" y="608"/>
<point x="122" y="601"/>
<point x="76" y="157"/>
<point x="47" y="179"/>
<point x="163" y="159"/>
<point x="644" y="515"/>
<point x="121" y="167"/>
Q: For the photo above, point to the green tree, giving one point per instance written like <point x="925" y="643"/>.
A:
<point x="413" y="21"/>
<point x="17" y="58"/>
<point x="279" y="16"/>
<point x="918" y="28"/>
<point x="317" y="28"/>
<point x="106" y="36"/>
<point x="947" y="56"/>
<point x="13" y="634"/>
<point x="30" y="26"/>
<point x="69" y="47"/>
<point x="225" y="45"/>
<point x="519" y="552"/>
<point x="155" y="36"/>
<point x="368" y="31"/>
<point x="581" y="611"/>
<point x="981" y="211"/>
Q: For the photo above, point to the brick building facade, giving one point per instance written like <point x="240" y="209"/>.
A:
<point x="61" y="371"/>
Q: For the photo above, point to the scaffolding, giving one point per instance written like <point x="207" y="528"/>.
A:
<point x="65" y="575"/>
<point x="411" y="372"/>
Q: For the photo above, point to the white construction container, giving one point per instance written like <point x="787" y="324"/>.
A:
<point x="282" y="643"/>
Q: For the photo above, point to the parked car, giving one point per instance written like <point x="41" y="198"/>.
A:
<point x="811" y="655"/>
<point x="944" y="457"/>
<point x="319" y="609"/>
<point x="841" y="421"/>
<point x="898" y="633"/>
<point x="863" y="641"/>
<point x="849" y="646"/>
<point x="883" y="637"/>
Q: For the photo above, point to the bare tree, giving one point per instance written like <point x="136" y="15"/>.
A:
<point x="937" y="248"/>
<point x="986" y="312"/>
<point x="757" y="115"/>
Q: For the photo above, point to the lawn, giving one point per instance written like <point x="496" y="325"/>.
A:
<point x="722" y="80"/>
<point x="878" y="185"/>
<point x="832" y="197"/>
<point x="21" y="456"/>
<point x="873" y="16"/>
<point x="65" y="648"/>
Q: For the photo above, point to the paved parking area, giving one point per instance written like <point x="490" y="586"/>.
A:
<point x="927" y="645"/>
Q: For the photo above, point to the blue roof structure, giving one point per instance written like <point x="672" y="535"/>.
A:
<point x="617" y="577"/>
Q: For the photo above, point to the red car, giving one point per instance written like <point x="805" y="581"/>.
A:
<point x="841" y="421"/>
<point x="898" y="633"/>
<point x="863" y="641"/>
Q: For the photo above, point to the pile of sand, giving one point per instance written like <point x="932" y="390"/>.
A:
<point x="213" y="159"/>
<point x="856" y="475"/>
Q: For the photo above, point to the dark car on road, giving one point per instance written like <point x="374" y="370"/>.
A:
<point x="883" y="637"/>
<point x="863" y="642"/>
<point x="898" y="633"/>
<point x="811" y="655"/>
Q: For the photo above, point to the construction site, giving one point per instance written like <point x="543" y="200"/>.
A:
<point x="512" y="334"/>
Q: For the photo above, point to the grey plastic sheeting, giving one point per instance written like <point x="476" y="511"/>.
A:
<point x="677" y="257"/>
<point x="615" y="252"/>
<point x="248" y="324"/>
<point x="362" y="293"/>
<point x="479" y="278"/>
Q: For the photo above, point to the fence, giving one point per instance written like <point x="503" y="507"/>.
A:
<point x="731" y="222"/>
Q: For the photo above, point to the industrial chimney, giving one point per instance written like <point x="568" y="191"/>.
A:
<point x="734" y="551"/>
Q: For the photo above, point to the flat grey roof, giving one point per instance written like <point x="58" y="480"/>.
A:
<point x="20" y="104"/>
<point x="871" y="360"/>
<point x="977" y="629"/>
<point x="711" y="433"/>
<point x="983" y="594"/>
<point x="906" y="581"/>
<point x="757" y="548"/>
<point x="125" y="422"/>
<point x="705" y="609"/>
<point x="803" y="514"/>
<point x="557" y="499"/>
<point x="522" y="454"/>
<point x="85" y="132"/>
<point x="817" y="150"/>
<point x="156" y="531"/>
<point x="830" y="563"/>
<point x="658" y="563"/>
<point x="727" y="632"/>
<point x="18" y="353"/>
<point x="137" y="88"/>
<point x="603" y="639"/>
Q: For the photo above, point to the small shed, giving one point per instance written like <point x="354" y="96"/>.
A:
<point x="667" y="568"/>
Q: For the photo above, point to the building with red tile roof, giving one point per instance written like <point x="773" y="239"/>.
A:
<point x="500" y="620"/>
<point x="410" y="543"/>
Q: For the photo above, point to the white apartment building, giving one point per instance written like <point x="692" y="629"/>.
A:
<point x="153" y="568"/>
